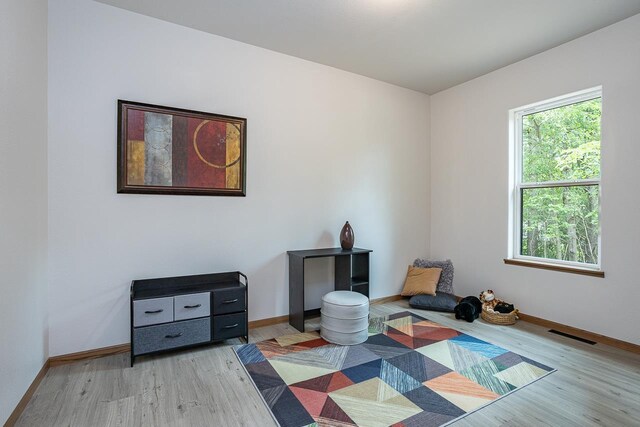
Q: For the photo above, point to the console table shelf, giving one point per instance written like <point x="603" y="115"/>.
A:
<point x="351" y="274"/>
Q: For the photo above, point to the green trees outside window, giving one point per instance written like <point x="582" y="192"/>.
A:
<point x="559" y="182"/>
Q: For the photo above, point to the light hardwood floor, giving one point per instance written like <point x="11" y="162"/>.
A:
<point x="594" y="385"/>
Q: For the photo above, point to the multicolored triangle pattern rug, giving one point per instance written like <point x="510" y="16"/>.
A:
<point x="410" y="372"/>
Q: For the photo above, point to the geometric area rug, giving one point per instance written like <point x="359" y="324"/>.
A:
<point x="410" y="372"/>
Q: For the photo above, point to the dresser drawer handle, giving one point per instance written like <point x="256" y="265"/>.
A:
<point x="179" y="334"/>
<point x="154" y="311"/>
<point x="230" y="301"/>
<point x="231" y="326"/>
<point x="193" y="306"/>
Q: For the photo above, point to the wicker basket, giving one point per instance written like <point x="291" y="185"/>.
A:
<point x="500" y="318"/>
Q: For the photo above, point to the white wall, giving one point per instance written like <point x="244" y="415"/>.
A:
<point x="23" y="197"/>
<point x="469" y="181"/>
<point x="324" y="146"/>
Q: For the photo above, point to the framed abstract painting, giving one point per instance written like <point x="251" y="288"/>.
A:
<point x="163" y="150"/>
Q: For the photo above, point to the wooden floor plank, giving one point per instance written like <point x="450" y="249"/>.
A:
<point x="595" y="385"/>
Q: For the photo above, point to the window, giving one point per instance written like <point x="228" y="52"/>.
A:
<point x="556" y="183"/>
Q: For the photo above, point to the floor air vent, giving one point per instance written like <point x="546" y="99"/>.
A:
<point x="573" y="337"/>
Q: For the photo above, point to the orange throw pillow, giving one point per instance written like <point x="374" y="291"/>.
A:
<point x="421" y="281"/>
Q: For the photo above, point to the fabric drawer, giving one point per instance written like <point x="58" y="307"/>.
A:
<point x="229" y="301"/>
<point x="171" y="335"/>
<point x="152" y="311"/>
<point x="229" y="326"/>
<point x="191" y="306"/>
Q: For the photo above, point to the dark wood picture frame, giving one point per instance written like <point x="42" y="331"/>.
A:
<point x="165" y="150"/>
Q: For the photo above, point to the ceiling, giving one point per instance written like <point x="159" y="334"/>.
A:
<point x="425" y="45"/>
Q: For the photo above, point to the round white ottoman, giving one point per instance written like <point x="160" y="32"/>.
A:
<point x="344" y="318"/>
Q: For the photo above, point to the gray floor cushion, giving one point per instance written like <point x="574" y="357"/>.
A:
<point x="440" y="302"/>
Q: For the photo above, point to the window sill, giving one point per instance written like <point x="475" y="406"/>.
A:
<point x="554" y="267"/>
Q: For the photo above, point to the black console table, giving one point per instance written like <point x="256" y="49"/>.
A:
<point x="185" y="311"/>
<point x="351" y="274"/>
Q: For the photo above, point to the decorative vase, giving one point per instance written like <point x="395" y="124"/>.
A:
<point x="347" y="237"/>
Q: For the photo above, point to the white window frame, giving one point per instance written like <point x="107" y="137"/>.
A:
<point x="516" y="185"/>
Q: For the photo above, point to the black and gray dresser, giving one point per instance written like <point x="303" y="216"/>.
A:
<point x="178" y="312"/>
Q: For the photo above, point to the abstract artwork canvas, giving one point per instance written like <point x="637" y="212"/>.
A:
<point x="163" y="150"/>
